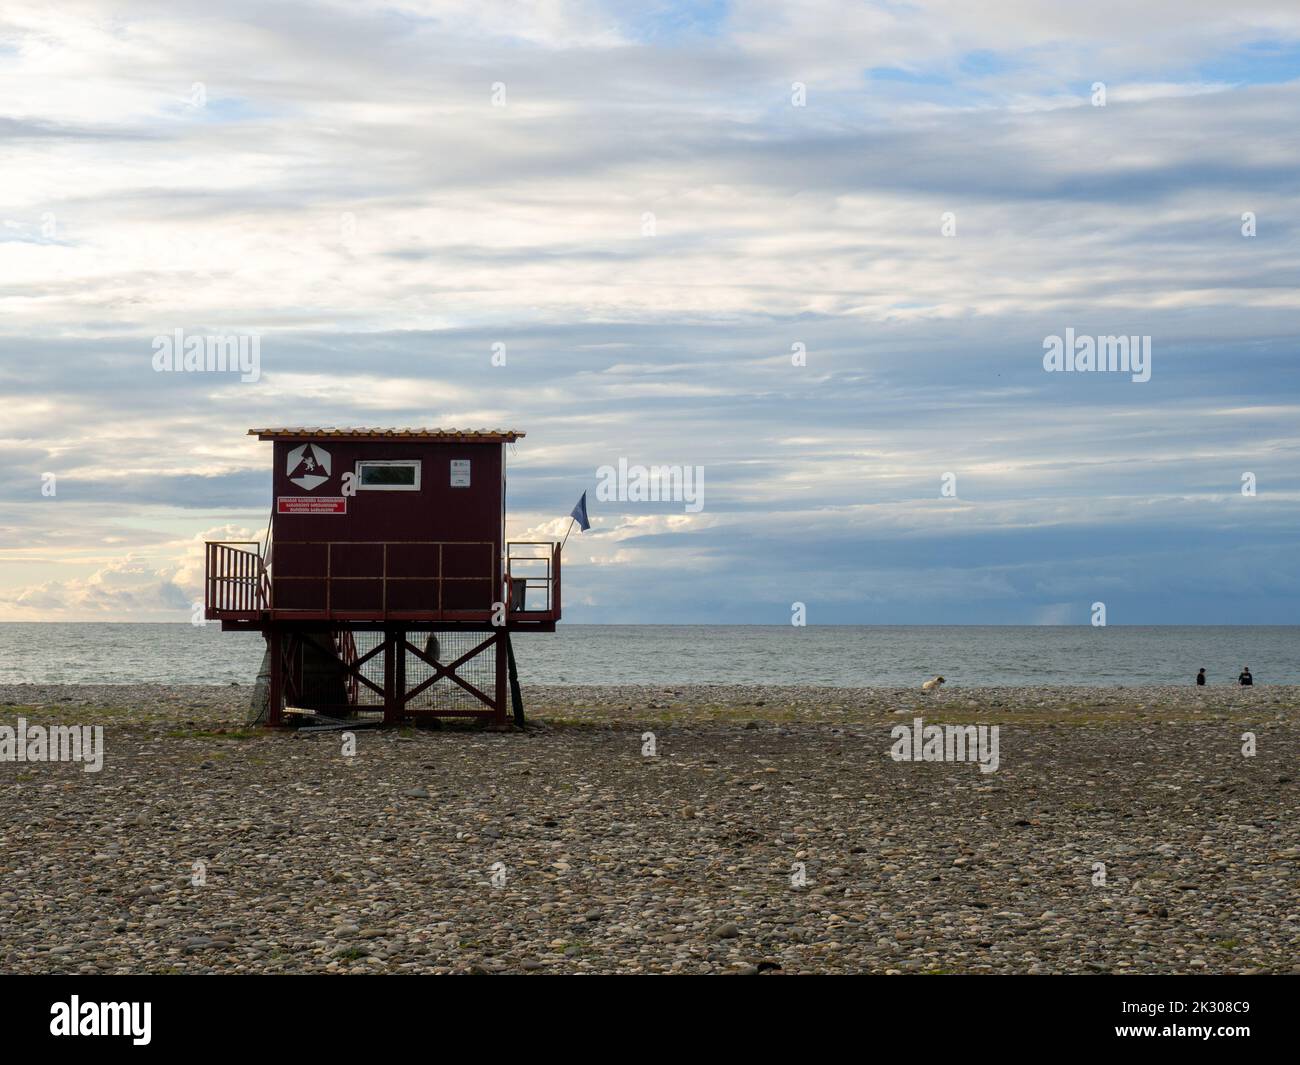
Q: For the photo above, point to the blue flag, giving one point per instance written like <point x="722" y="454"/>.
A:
<point x="579" y="513"/>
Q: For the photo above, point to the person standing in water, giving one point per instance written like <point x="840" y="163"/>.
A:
<point x="1200" y="677"/>
<point x="1244" y="678"/>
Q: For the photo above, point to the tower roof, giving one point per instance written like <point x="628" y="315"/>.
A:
<point x="460" y="436"/>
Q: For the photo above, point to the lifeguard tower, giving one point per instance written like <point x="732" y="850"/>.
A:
<point x="385" y="588"/>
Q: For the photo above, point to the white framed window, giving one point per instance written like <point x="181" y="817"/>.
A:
<point x="400" y="475"/>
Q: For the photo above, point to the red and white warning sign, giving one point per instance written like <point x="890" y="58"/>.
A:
<point x="311" y="505"/>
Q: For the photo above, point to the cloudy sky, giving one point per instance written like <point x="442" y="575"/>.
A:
<point x="652" y="212"/>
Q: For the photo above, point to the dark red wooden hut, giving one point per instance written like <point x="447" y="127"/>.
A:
<point x="386" y="585"/>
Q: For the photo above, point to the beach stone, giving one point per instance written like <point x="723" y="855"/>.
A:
<point x="563" y="850"/>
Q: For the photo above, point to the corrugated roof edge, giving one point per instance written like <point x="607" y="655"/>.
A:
<point x="481" y="436"/>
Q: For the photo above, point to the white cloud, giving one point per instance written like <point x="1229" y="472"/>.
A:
<point x="132" y="588"/>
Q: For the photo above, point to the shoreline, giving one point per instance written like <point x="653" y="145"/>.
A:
<point x="706" y="703"/>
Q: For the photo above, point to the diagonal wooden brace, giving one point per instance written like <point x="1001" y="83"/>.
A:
<point x="449" y="671"/>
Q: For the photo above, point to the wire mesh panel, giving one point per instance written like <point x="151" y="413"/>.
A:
<point x="445" y="694"/>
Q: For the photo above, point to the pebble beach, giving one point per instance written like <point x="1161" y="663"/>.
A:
<point x="650" y="829"/>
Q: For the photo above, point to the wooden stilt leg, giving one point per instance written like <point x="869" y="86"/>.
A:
<point x="393" y="650"/>
<point x="276" y="694"/>
<point x="399" y="672"/>
<point x="499" y="706"/>
<point x="516" y="696"/>
<point x="295" y="689"/>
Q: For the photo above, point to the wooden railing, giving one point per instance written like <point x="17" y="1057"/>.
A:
<point x="533" y="577"/>
<point x="236" y="578"/>
<point x="432" y="576"/>
<point x="239" y="581"/>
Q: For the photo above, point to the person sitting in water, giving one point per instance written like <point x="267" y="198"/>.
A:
<point x="1244" y="678"/>
<point x="1200" y="677"/>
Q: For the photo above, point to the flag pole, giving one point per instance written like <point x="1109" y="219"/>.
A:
<point x="566" y="533"/>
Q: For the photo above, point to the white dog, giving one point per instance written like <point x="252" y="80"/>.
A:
<point x="930" y="685"/>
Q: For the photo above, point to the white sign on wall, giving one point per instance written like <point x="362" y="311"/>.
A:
<point x="460" y="473"/>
